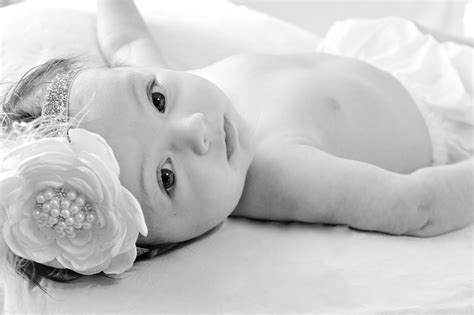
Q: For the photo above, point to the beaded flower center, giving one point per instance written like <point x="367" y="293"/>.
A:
<point x="64" y="211"/>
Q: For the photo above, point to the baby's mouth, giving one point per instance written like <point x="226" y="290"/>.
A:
<point x="229" y="137"/>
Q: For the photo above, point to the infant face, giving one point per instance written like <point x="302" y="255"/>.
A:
<point x="182" y="148"/>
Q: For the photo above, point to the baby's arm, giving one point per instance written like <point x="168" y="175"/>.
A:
<point x="123" y="36"/>
<point x="449" y="194"/>
<point x="302" y="183"/>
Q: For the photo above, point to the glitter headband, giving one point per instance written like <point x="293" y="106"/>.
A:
<point x="57" y="106"/>
<point x="57" y="97"/>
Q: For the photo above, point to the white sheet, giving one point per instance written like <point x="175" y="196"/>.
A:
<point x="191" y="34"/>
<point x="248" y="266"/>
<point x="446" y="15"/>
<point x="437" y="75"/>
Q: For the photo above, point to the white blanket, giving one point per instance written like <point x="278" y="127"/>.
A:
<point x="437" y="75"/>
<point x="250" y="267"/>
<point x="245" y="266"/>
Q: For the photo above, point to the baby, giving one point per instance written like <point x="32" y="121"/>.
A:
<point x="308" y="137"/>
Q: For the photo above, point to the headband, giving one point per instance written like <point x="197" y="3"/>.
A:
<point x="57" y="106"/>
<point x="57" y="97"/>
<point x="62" y="203"/>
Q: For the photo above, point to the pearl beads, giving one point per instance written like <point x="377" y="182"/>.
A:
<point x="65" y="204"/>
<point x="71" y="195"/>
<point x="36" y="214"/>
<point x="46" y="207"/>
<point x="48" y="194"/>
<point x="52" y="220"/>
<point x="90" y="217"/>
<point x="54" y="212"/>
<point x="69" y="221"/>
<point x="74" y="209"/>
<point x="79" y="217"/>
<point x="80" y="200"/>
<point x="61" y="225"/>
<point x="54" y="203"/>
<point x="40" y="198"/>
<point x="77" y="225"/>
<point x="66" y="212"/>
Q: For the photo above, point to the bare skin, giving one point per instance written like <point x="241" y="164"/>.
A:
<point x="310" y="113"/>
<point x="335" y="140"/>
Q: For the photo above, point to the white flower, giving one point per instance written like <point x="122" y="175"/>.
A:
<point x="104" y="240"/>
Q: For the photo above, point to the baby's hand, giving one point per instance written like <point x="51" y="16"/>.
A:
<point x="403" y="209"/>
<point x="123" y="36"/>
<point x="448" y="202"/>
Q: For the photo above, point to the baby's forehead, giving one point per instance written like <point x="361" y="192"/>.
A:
<point x="90" y="81"/>
<point x="98" y="76"/>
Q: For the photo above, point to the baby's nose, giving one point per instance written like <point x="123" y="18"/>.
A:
<point x="192" y="132"/>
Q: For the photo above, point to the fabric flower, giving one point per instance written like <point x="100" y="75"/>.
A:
<point x="65" y="207"/>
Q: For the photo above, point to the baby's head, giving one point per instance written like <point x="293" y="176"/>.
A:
<point x="182" y="149"/>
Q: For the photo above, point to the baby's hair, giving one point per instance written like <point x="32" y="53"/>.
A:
<point x="22" y="102"/>
<point x="21" y="122"/>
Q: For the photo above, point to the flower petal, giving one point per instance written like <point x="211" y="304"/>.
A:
<point x="11" y="241"/>
<point x="129" y="204"/>
<point x="15" y="213"/>
<point x="94" y="264"/>
<point x="75" y="252"/>
<point x="88" y="165"/>
<point x="83" y="140"/>
<point x="123" y="262"/>
<point x="30" y="231"/>
<point x="14" y="156"/>
<point x="8" y="182"/>
<point x="82" y="238"/>
<point x="102" y="172"/>
<point x="45" y="159"/>
<point x="85" y="188"/>
<point x="25" y="238"/>
<point x="43" y="255"/>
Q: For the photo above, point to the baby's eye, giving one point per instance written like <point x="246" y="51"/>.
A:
<point x="167" y="177"/>
<point x="157" y="98"/>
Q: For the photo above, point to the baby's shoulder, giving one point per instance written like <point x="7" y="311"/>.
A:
<point x="260" y="63"/>
<point x="266" y="71"/>
<point x="274" y="178"/>
<point x="300" y="60"/>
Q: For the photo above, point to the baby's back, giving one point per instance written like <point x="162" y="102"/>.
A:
<point x="340" y="105"/>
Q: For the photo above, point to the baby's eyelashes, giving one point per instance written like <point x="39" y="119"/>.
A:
<point x="166" y="177"/>
<point x="156" y="97"/>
